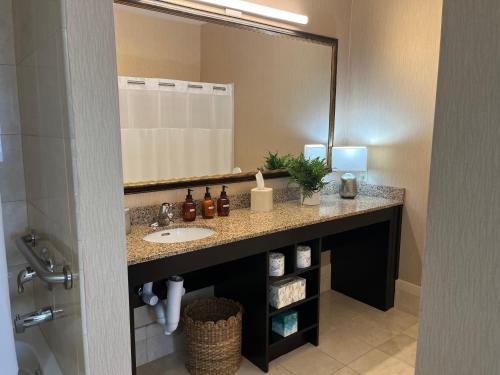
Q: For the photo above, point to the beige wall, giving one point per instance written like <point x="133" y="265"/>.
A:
<point x="282" y="90"/>
<point x="150" y="44"/>
<point x="459" y="329"/>
<point x="393" y="70"/>
<point x="40" y="39"/>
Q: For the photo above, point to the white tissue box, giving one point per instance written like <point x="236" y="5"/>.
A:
<point x="286" y="292"/>
<point x="261" y="200"/>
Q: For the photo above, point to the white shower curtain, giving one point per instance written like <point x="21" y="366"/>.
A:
<point x="173" y="129"/>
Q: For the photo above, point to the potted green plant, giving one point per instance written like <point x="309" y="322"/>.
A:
<point x="309" y="175"/>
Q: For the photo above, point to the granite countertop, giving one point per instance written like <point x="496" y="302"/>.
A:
<point x="242" y="224"/>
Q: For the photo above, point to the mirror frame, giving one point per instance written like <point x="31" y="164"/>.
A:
<point x="206" y="16"/>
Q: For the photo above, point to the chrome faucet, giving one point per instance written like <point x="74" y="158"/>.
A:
<point x="46" y="314"/>
<point x="165" y="216"/>
<point x="25" y="276"/>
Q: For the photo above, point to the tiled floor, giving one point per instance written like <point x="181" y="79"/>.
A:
<point x="354" y="339"/>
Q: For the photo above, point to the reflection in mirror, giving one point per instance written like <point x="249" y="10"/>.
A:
<point x="200" y="98"/>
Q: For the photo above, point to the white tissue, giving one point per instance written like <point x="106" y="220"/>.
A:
<point x="260" y="180"/>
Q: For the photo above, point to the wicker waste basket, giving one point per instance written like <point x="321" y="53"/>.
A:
<point x="213" y="336"/>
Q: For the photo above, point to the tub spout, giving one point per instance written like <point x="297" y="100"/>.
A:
<point x="34" y="318"/>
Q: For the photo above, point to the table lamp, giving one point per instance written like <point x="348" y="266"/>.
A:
<point x="313" y="151"/>
<point x="349" y="159"/>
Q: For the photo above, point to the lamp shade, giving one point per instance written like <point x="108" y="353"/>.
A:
<point x="350" y="159"/>
<point x="315" y="151"/>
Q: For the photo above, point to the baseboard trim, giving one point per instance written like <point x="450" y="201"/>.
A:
<point x="405" y="286"/>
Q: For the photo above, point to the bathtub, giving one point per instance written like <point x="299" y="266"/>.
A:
<point x="33" y="354"/>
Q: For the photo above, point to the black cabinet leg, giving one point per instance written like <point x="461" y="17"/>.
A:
<point x="363" y="264"/>
<point x="132" y="333"/>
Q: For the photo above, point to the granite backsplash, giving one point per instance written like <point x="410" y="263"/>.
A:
<point x="147" y="214"/>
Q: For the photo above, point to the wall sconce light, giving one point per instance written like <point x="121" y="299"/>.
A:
<point x="259" y="10"/>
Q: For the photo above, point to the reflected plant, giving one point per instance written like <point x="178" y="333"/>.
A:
<point x="274" y="161"/>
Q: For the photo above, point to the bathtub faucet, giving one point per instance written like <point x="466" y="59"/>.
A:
<point x="34" y="318"/>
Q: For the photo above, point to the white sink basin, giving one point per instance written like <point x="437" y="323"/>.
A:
<point x="174" y="235"/>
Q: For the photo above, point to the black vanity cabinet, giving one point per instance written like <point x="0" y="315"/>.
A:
<point x="364" y="258"/>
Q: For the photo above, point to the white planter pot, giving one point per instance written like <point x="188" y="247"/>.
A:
<point x="312" y="200"/>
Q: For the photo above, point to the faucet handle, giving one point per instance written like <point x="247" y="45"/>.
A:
<point x="165" y="207"/>
<point x="47" y="259"/>
<point x="26" y="275"/>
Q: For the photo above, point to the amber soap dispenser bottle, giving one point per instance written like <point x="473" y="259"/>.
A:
<point x="223" y="203"/>
<point x="189" y="208"/>
<point x="207" y="206"/>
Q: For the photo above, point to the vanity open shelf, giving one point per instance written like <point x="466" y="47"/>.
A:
<point x="307" y="309"/>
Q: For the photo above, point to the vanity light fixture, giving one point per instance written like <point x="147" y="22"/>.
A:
<point x="259" y="10"/>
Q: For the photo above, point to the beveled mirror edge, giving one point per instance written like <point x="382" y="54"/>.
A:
<point x="203" y="15"/>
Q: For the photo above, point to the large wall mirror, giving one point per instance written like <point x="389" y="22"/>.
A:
<point x="205" y="97"/>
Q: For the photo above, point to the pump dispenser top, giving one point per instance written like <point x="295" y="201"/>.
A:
<point x="207" y="193"/>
